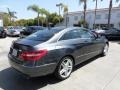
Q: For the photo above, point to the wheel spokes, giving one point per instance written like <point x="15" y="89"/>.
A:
<point x="69" y="67"/>
<point x="62" y="72"/>
<point x="66" y="68"/>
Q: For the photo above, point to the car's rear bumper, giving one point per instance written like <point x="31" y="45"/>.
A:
<point x="1" y="35"/>
<point x="34" y="71"/>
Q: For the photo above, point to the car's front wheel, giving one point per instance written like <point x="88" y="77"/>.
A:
<point x="4" y="35"/>
<point x="105" y="50"/>
<point x="64" y="69"/>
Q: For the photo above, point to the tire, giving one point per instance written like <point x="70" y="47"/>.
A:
<point x="4" y="35"/>
<point x="105" y="50"/>
<point x="64" y="68"/>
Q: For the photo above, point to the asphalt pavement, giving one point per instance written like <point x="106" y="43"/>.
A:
<point x="99" y="73"/>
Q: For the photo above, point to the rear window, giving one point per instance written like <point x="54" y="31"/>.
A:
<point x="42" y="35"/>
<point x="34" y="28"/>
<point x="1" y="28"/>
<point x="17" y="27"/>
<point x="10" y="27"/>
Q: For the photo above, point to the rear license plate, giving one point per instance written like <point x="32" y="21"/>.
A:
<point x="14" y="52"/>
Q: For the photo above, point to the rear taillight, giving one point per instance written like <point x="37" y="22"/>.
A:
<point x="33" y="56"/>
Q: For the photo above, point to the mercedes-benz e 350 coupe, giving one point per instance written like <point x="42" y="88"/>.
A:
<point x="55" y="51"/>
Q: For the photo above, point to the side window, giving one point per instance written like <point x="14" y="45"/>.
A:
<point x="73" y="34"/>
<point x="86" y="35"/>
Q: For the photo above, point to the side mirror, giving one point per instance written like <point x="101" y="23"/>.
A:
<point x="96" y="35"/>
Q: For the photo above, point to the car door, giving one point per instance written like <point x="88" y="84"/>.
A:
<point x="90" y="46"/>
<point x="97" y="43"/>
<point x="81" y="47"/>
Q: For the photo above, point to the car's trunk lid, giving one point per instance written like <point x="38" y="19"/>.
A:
<point x="22" y="45"/>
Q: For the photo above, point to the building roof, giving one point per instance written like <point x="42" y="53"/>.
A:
<point x="92" y="10"/>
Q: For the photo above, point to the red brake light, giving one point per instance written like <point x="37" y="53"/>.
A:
<point x="33" y="56"/>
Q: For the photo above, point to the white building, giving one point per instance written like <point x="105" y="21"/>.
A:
<point x="101" y="17"/>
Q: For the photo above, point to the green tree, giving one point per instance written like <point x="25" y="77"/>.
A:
<point x="46" y="13"/>
<point x="5" y="17"/>
<point x="82" y="22"/>
<point x="36" y="9"/>
<point x="11" y="14"/>
<point x="42" y="10"/>
<point x="54" y="18"/>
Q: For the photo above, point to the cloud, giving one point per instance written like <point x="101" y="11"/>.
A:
<point x="3" y="8"/>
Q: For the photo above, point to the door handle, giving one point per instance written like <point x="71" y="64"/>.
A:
<point x="85" y="41"/>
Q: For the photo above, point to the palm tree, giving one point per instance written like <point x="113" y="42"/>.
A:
<point x="36" y="9"/>
<point x="46" y="13"/>
<point x="11" y="14"/>
<point x="96" y="3"/>
<point x="6" y="18"/>
<point x="42" y="10"/>
<point x="65" y="10"/>
<point x="85" y="7"/>
<point x="110" y="8"/>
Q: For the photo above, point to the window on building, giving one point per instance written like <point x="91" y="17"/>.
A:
<point x="76" y="18"/>
<point x="98" y="16"/>
<point x="118" y="15"/>
<point x="67" y="19"/>
<point x="106" y="16"/>
<point x="90" y="17"/>
<point x="82" y="17"/>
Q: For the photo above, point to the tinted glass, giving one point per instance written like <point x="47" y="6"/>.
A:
<point x="73" y="34"/>
<point x="1" y="28"/>
<point x="111" y="31"/>
<point x="86" y="34"/>
<point x="10" y="27"/>
<point x="58" y="28"/>
<point x="33" y="28"/>
<point x="42" y="35"/>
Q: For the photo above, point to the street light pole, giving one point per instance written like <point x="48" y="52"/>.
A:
<point x="59" y="6"/>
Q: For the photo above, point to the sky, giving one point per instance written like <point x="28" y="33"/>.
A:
<point x="20" y="6"/>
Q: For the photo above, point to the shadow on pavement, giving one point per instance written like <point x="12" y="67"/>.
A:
<point x="10" y="79"/>
<point x="85" y="63"/>
<point x="13" y="80"/>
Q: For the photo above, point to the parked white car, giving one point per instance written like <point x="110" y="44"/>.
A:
<point x="14" y="30"/>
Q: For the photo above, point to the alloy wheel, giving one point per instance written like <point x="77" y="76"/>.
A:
<point x="66" y="67"/>
<point x="106" y="49"/>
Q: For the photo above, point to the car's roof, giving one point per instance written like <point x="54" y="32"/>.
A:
<point x="58" y="29"/>
<point x="72" y="28"/>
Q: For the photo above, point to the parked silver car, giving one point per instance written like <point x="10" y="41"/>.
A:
<point x="14" y="30"/>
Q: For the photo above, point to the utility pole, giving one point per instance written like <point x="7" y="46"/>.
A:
<point x="59" y="7"/>
<point x="109" y="15"/>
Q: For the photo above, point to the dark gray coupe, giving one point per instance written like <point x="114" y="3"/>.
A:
<point x="56" y="51"/>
